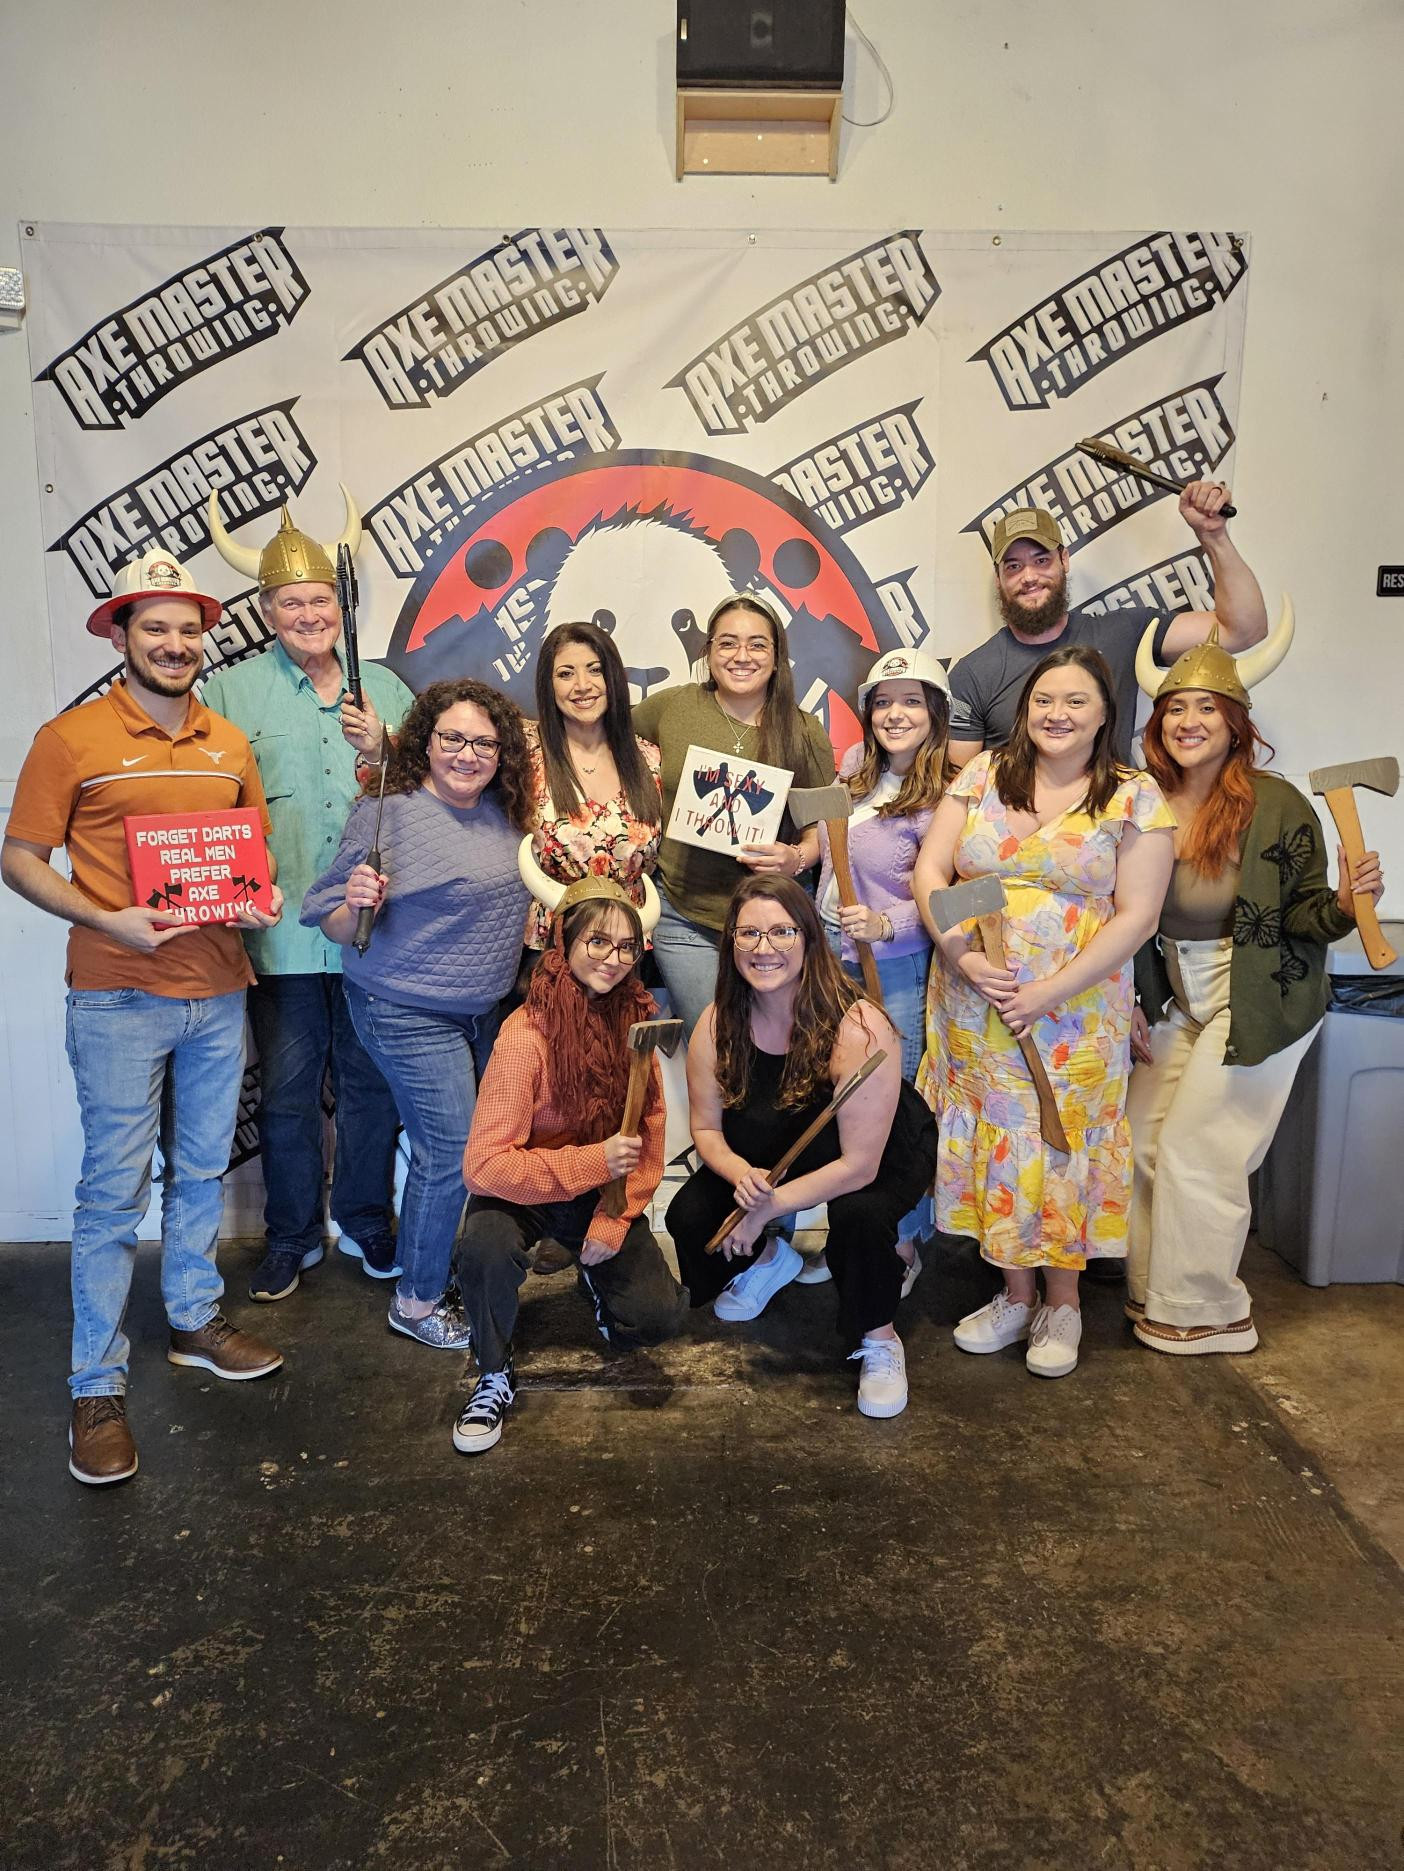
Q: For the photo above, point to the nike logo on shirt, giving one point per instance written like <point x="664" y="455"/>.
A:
<point x="135" y="761"/>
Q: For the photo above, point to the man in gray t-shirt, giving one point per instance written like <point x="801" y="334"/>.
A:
<point x="1031" y="575"/>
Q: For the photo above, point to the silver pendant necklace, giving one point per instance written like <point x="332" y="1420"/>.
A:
<point x="737" y="729"/>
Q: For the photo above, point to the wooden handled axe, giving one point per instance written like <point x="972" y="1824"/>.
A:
<point x="982" y="900"/>
<point x="833" y="806"/>
<point x="1335" y="784"/>
<point x="645" y="1037"/>
<point x="806" y="1137"/>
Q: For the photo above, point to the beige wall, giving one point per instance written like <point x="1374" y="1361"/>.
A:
<point x="1278" y="118"/>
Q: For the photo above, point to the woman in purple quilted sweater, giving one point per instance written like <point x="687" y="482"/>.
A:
<point x="448" y="903"/>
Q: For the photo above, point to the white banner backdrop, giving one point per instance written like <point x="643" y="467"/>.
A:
<point x="593" y="422"/>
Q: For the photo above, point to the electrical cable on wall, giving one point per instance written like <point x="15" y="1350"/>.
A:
<point x="870" y="123"/>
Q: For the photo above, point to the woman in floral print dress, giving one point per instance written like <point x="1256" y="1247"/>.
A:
<point x="598" y="805"/>
<point x="1083" y="847"/>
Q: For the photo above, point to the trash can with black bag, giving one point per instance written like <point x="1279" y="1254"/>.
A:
<point x="1330" y="1195"/>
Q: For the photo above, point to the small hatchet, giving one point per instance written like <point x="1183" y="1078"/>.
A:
<point x="833" y="805"/>
<point x="645" y="1037"/>
<point x="982" y="900"/>
<point x="1335" y="786"/>
<point x="806" y="1137"/>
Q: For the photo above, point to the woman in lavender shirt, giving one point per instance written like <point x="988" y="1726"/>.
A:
<point x="896" y="776"/>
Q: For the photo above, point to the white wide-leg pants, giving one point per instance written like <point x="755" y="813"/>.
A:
<point x="1199" y="1128"/>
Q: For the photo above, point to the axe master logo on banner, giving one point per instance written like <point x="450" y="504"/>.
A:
<point x="527" y="283"/>
<point x="233" y="299"/>
<point x="257" y="462"/>
<point x="1185" y="435"/>
<point x="872" y="468"/>
<point x="413" y="520"/>
<point x="645" y="543"/>
<point x="1123" y="303"/>
<point x="1184" y="583"/>
<point x="864" y="302"/>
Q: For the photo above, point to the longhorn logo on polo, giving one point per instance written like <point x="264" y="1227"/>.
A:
<point x="235" y="298"/>
<point x="413" y="520"/>
<point x="1186" y="435"/>
<point x="524" y="285"/>
<point x="873" y="467"/>
<point x="849" y="310"/>
<point x="256" y="461"/>
<point x="1122" y="303"/>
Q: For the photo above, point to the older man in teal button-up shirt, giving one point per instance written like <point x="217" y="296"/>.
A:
<point x="292" y="702"/>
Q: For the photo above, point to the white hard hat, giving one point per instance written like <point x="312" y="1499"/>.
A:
<point x="920" y="665"/>
<point x="155" y="575"/>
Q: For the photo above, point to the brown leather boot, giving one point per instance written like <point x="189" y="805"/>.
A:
<point x="100" y="1442"/>
<point x="222" y="1348"/>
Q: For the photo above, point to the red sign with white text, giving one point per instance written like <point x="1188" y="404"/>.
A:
<point x="200" y="867"/>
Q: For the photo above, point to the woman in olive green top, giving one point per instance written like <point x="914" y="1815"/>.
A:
<point x="745" y="709"/>
<point x="1240" y="959"/>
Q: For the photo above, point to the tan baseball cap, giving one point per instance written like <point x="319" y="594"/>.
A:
<point x="1025" y="523"/>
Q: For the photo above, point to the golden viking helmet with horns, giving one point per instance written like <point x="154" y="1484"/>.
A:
<point x="290" y="557"/>
<point x="1210" y="666"/>
<point x="559" y="897"/>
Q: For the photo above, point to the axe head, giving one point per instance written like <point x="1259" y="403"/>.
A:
<point x="1381" y="776"/>
<point x="813" y="805"/>
<point x="963" y="903"/>
<point x="654" y="1036"/>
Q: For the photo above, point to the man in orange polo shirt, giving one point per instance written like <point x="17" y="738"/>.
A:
<point x="155" y="1006"/>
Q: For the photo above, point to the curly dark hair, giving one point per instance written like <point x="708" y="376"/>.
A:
<point x="1015" y="763"/>
<point x="409" y="751"/>
<point x="824" y="996"/>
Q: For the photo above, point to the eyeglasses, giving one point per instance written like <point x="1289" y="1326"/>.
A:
<point x="732" y="646"/>
<point x="782" y="938"/>
<point x="600" y="948"/>
<point x="452" y="742"/>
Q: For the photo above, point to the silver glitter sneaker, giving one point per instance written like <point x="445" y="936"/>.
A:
<point x="444" y="1329"/>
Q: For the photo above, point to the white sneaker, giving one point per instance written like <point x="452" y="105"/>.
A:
<point x="882" y="1382"/>
<point x="909" y="1278"/>
<point x="748" y="1295"/>
<point x="1057" y="1333"/>
<point x="1003" y="1322"/>
<point x="815" y="1272"/>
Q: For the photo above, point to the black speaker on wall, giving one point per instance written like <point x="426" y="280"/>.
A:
<point x="771" y="44"/>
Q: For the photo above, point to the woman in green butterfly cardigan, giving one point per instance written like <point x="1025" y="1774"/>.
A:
<point x="1231" y="992"/>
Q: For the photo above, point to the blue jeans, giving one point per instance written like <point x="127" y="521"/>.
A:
<point x="148" y="1069"/>
<point x="432" y="1063"/>
<point x="686" y="954"/>
<point x="902" y="979"/>
<point x="300" y="1021"/>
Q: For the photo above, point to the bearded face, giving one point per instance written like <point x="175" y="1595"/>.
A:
<point x="1032" y="584"/>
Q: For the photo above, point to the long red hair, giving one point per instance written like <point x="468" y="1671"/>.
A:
<point x="585" y="1036"/>
<point x="1213" y="841"/>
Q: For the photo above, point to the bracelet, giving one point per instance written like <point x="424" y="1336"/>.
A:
<point x="889" y="934"/>
<point x="798" y="853"/>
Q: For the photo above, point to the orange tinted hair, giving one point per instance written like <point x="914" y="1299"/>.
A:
<point x="1213" y="841"/>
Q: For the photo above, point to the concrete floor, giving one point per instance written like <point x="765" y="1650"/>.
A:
<point x="695" y="1611"/>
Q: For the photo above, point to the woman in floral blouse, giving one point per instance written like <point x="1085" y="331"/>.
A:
<point x="598" y="808"/>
